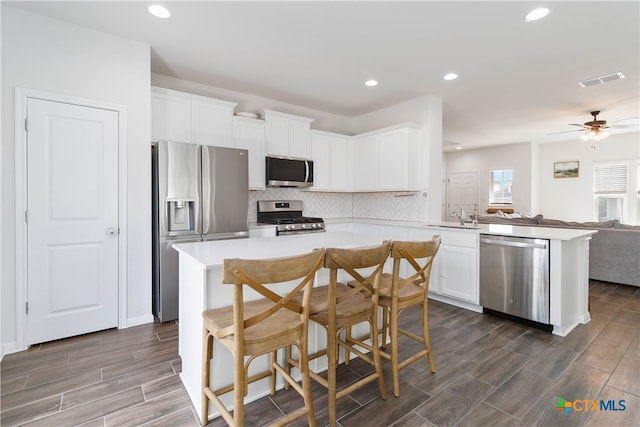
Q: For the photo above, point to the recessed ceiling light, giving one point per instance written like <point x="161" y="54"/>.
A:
<point x="159" y="11"/>
<point x="458" y="148"/>
<point x="450" y="76"/>
<point x="371" y="83"/>
<point x="536" y="14"/>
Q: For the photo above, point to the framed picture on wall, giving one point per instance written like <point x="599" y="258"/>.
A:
<point x="566" y="169"/>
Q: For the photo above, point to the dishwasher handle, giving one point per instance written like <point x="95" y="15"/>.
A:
<point x="513" y="244"/>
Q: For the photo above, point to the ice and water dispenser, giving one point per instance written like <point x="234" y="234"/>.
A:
<point x="181" y="215"/>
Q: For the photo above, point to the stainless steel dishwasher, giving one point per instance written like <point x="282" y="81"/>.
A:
<point x="514" y="276"/>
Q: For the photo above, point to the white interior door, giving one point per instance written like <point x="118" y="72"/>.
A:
<point x="462" y="192"/>
<point x="72" y="226"/>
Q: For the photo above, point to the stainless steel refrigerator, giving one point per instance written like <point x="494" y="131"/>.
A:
<point x="199" y="193"/>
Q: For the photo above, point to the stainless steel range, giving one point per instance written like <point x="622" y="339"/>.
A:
<point x="287" y="217"/>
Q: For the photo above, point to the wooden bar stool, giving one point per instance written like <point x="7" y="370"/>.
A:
<point x="336" y="307"/>
<point x="398" y="294"/>
<point x="261" y="327"/>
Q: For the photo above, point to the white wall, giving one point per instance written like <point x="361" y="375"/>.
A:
<point x="572" y="198"/>
<point x="49" y="55"/>
<point x="519" y="157"/>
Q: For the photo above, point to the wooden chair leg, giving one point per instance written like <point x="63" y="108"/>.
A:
<point x="239" y="384"/>
<point x="347" y="353"/>
<point x="393" y="331"/>
<point x="207" y="349"/>
<point x="306" y="384"/>
<point x="274" y="359"/>
<point x="427" y="337"/>
<point x="332" y="374"/>
<point x="287" y="366"/>
<point x="385" y="326"/>
<point x="376" y="356"/>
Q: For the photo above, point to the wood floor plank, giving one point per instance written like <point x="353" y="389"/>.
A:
<point x="500" y="368"/>
<point x="486" y="415"/>
<point x="112" y="386"/>
<point x="552" y="362"/>
<point x="149" y="410"/>
<point x="626" y="376"/>
<point x="30" y="411"/>
<point x="53" y="388"/>
<point x="183" y="418"/>
<point x="11" y="385"/>
<point x="126" y="367"/>
<point x="627" y="318"/>
<point x="455" y="402"/>
<point x="92" y="410"/>
<point x="413" y="420"/>
<point x="514" y="396"/>
<point x="629" y="417"/>
<point x="162" y="386"/>
<point x="602" y="355"/>
<point x="617" y="335"/>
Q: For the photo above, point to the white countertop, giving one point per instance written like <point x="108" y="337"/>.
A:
<point x="212" y="254"/>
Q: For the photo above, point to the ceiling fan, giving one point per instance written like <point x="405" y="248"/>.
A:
<point x="595" y="129"/>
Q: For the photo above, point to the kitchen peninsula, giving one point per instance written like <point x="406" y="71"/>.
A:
<point x="201" y="285"/>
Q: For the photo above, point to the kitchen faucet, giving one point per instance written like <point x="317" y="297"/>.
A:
<point x="460" y="215"/>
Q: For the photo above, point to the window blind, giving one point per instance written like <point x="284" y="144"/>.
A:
<point x="610" y="178"/>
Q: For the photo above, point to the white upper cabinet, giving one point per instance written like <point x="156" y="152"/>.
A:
<point x="184" y="117"/>
<point x="366" y="163"/>
<point x="249" y="134"/>
<point x="170" y="116"/>
<point x="211" y="121"/>
<point x="287" y="135"/>
<point x="388" y="159"/>
<point x="331" y="154"/>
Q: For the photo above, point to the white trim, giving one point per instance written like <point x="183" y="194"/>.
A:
<point x="21" y="98"/>
<point x="140" y="320"/>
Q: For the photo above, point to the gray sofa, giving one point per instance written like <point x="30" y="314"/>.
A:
<point x="614" y="251"/>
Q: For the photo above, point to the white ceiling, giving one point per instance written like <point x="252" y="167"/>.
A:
<point x="518" y="81"/>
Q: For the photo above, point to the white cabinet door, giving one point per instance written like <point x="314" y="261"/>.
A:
<point x="299" y="139"/>
<point x="321" y="156"/>
<point x="288" y="135"/>
<point x="341" y="172"/>
<point x="394" y="160"/>
<point x="331" y="155"/>
<point x="212" y="122"/>
<point x="249" y="134"/>
<point x="277" y="135"/>
<point x="366" y="156"/>
<point x="459" y="272"/>
<point x="170" y="117"/>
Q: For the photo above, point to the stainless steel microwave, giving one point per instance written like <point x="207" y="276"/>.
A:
<point x="288" y="172"/>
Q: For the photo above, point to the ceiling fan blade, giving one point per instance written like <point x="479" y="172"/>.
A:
<point x="566" y="131"/>
<point x="576" y="124"/>
<point x="623" y="126"/>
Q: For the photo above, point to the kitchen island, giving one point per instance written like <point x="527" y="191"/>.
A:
<point x="454" y="280"/>
<point x="201" y="288"/>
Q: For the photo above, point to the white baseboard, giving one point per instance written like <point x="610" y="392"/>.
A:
<point x="8" y="348"/>
<point x="142" y="320"/>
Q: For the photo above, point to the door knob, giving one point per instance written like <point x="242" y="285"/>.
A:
<point x="112" y="231"/>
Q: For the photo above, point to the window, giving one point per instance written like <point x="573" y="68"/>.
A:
<point x="610" y="191"/>
<point x="501" y="184"/>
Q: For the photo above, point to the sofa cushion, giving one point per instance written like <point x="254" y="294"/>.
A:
<point x="620" y="226"/>
<point x="571" y="224"/>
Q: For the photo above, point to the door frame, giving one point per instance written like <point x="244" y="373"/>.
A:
<point x="22" y="96"/>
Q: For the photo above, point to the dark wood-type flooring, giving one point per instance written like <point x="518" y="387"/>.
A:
<point x="491" y="372"/>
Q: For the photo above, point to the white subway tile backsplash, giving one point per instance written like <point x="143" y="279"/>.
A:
<point x="402" y="206"/>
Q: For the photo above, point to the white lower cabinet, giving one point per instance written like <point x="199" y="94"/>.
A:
<point x="458" y="268"/>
